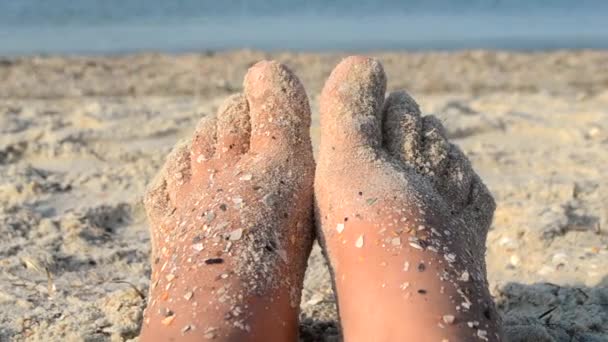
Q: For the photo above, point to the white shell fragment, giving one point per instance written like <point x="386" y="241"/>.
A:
<point x="359" y="242"/>
<point x="246" y="177"/>
<point x="415" y="245"/>
<point x="340" y="228"/>
<point x="396" y="241"/>
<point x="198" y="247"/>
<point x="448" y="319"/>
<point x="450" y="257"/>
<point x="236" y="234"/>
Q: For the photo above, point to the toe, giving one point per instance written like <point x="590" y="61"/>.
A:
<point x="351" y="103"/>
<point x="421" y="143"/>
<point x="158" y="206"/>
<point x="233" y="127"/>
<point x="435" y="146"/>
<point x="176" y="171"/>
<point x="156" y="199"/>
<point x="481" y="204"/>
<point x="456" y="181"/>
<point x="278" y="105"/>
<point x="402" y="127"/>
<point x="203" y="141"/>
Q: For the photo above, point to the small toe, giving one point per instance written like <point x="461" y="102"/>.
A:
<point x="176" y="171"/>
<point x="158" y="206"/>
<point x="481" y="204"/>
<point x="203" y="141"/>
<point x="402" y="128"/>
<point x="233" y="127"/>
<point x="278" y="106"/>
<point x="351" y="103"/>
<point x="435" y="146"/>
<point x="156" y="199"/>
<point x="456" y="180"/>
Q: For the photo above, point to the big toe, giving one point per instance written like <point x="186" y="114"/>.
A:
<point x="351" y="103"/>
<point x="278" y="106"/>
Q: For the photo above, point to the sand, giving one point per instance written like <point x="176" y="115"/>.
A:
<point x="80" y="137"/>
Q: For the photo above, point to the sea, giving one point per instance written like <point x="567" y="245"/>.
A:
<point x="35" y="27"/>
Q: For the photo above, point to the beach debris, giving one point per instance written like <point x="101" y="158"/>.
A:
<point x="450" y="257"/>
<point x="415" y="245"/>
<point x="213" y="261"/>
<point x="246" y="177"/>
<point x="170" y="277"/>
<point x="406" y="266"/>
<point x="138" y="291"/>
<point x="340" y="228"/>
<point x="473" y="324"/>
<point x="371" y="201"/>
<point x="236" y="234"/>
<point x="42" y="268"/>
<point x="198" y="247"/>
<point x="187" y="328"/>
<point x="359" y="242"/>
<point x="404" y="286"/>
<point x="464" y="276"/>
<point x="210" y="333"/>
<point x="396" y="241"/>
<point x="168" y="320"/>
<point x="449" y="319"/>
<point x="188" y="295"/>
<point x="223" y="207"/>
<point x="514" y="260"/>
<point x="482" y="334"/>
<point x="421" y="267"/>
<point x="508" y="243"/>
<point x="422" y="291"/>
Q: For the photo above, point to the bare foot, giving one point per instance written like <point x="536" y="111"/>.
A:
<point x="403" y="216"/>
<point x="231" y="219"/>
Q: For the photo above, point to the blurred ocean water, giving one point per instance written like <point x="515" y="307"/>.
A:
<point x="114" y="26"/>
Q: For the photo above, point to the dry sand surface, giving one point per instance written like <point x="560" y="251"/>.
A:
<point x="80" y="137"/>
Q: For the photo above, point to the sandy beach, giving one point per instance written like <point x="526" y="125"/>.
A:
<point x="80" y="137"/>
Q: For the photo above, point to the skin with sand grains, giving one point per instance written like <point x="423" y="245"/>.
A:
<point x="400" y="213"/>
<point x="231" y="218"/>
<point x="405" y="230"/>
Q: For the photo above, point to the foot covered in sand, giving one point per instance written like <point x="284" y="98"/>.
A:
<point x="231" y="219"/>
<point x="402" y="216"/>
